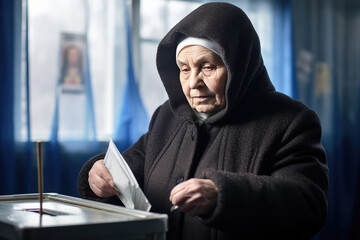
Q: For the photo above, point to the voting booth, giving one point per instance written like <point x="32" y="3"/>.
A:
<point x="65" y="217"/>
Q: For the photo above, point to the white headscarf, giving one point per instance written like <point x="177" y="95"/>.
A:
<point x="207" y="43"/>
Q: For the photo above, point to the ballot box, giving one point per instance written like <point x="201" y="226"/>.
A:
<point x="66" y="217"/>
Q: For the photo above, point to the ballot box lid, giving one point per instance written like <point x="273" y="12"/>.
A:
<point x="66" y="217"/>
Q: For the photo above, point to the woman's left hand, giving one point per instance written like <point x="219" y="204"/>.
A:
<point x="198" y="197"/>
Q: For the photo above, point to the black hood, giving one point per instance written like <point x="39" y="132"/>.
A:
<point x="231" y="29"/>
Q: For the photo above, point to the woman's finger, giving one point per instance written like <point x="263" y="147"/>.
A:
<point x="195" y="196"/>
<point x="192" y="201"/>
<point x="177" y="189"/>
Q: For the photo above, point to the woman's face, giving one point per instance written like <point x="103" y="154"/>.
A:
<point x="73" y="56"/>
<point x="203" y="77"/>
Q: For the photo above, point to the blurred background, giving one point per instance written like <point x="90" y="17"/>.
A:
<point x="76" y="73"/>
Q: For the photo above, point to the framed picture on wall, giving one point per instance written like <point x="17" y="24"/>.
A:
<point x="73" y="62"/>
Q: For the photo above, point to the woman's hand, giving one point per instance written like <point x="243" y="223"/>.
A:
<point x="101" y="181"/>
<point x="198" y="197"/>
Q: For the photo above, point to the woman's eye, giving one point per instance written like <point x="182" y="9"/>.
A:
<point x="207" y="69"/>
<point x="185" y="70"/>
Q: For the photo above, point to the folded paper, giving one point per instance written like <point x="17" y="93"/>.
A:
<point x="131" y="194"/>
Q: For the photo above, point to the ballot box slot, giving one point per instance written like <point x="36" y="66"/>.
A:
<point x="45" y="211"/>
<point x="96" y="205"/>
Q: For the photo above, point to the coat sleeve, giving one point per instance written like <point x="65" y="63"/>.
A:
<point x="291" y="200"/>
<point x="134" y="156"/>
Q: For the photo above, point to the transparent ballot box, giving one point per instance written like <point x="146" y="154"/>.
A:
<point x="66" y="217"/>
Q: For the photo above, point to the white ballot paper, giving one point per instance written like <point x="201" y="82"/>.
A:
<point x="131" y="194"/>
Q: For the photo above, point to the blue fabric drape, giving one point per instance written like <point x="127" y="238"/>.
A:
<point x="90" y="113"/>
<point x="283" y="75"/>
<point x="133" y="119"/>
<point x="28" y="173"/>
<point x="7" y="51"/>
<point x="328" y="31"/>
<point x="54" y="178"/>
<point x="16" y="171"/>
<point x="355" y="230"/>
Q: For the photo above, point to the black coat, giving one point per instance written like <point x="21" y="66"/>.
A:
<point x="263" y="150"/>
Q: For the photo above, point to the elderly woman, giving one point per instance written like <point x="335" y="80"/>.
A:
<point x="241" y="160"/>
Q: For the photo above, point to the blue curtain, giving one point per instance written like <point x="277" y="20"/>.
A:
<point x="7" y="71"/>
<point x="132" y="120"/>
<point x="283" y="75"/>
<point x="328" y="56"/>
<point x="16" y="171"/>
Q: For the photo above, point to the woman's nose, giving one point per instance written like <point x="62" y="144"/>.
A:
<point x="196" y="80"/>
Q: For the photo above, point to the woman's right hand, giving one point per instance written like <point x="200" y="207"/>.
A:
<point x="101" y="181"/>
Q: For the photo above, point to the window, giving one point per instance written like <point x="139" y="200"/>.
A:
<point x="101" y="25"/>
